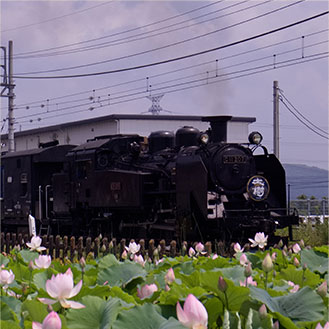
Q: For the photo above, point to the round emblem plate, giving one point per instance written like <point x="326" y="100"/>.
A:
<point x="258" y="188"/>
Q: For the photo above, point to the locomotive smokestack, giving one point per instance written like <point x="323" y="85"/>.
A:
<point x="218" y="126"/>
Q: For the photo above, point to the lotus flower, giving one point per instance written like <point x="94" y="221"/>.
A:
<point x="248" y="282"/>
<point x="214" y="256"/>
<point x="6" y="278"/>
<point x="200" y="248"/>
<point x="35" y="244"/>
<point x="51" y="321"/>
<point x="237" y="248"/>
<point x="147" y="290"/>
<point x="295" y="287"/>
<point x="322" y="289"/>
<point x="170" y="276"/>
<point x="243" y="259"/>
<point x="296" y="248"/>
<point x="139" y="259"/>
<point x="191" y="252"/>
<point x="326" y="326"/>
<point x="194" y="315"/>
<point x="260" y="240"/>
<point x="61" y="288"/>
<point x="43" y="261"/>
<point x="133" y="248"/>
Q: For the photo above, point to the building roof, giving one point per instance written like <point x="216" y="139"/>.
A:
<point x="121" y="117"/>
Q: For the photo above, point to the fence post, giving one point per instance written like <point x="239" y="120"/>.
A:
<point x="173" y="249"/>
<point x="8" y="243"/>
<point x="51" y="246"/>
<point x="80" y="247"/>
<point x="72" y="248"/>
<point x="57" y="243"/>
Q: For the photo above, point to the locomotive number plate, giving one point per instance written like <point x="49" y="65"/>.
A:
<point x="234" y="159"/>
<point x="115" y="186"/>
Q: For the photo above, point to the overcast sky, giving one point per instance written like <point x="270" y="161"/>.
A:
<point x="93" y="39"/>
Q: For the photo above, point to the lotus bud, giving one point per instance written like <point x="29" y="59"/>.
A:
<point x="248" y="270"/>
<point x="31" y="266"/>
<point x="243" y="259"/>
<point x="103" y="248"/>
<point x="222" y="285"/>
<point x="214" y="256"/>
<point x="191" y="252"/>
<point x="296" y="262"/>
<point x="82" y="263"/>
<point x="262" y="312"/>
<point x="284" y="254"/>
<point x="296" y="248"/>
<point x="280" y="244"/>
<point x="111" y="245"/>
<point x="49" y="308"/>
<point x="276" y="325"/>
<point x="155" y="252"/>
<point x="289" y="252"/>
<point x="170" y="276"/>
<point x="267" y="264"/>
<point x="274" y="257"/>
<point x="124" y="255"/>
<point x="322" y="289"/>
<point x="285" y="248"/>
<point x="302" y="243"/>
<point x="304" y="267"/>
<point x="199" y="247"/>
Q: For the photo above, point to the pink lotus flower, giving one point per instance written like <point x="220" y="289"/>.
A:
<point x="194" y="315"/>
<point x="191" y="252"/>
<point x="147" y="290"/>
<point x="43" y="261"/>
<point x="214" y="256"/>
<point x="295" y="287"/>
<point x="200" y="248"/>
<point x="322" y="289"/>
<point x="170" y="276"/>
<point x="6" y="278"/>
<point x="61" y="288"/>
<point x="237" y="247"/>
<point x="139" y="259"/>
<point x="260" y="240"/>
<point x="243" y="259"/>
<point x="35" y="244"/>
<point x="326" y="326"/>
<point x="248" y="282"/>
<point x="296" y="248"/>
<point x="51" y="321"/>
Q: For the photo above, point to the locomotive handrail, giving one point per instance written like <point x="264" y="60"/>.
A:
<point x="46" y="201"/>
<point x="40" y="203"/>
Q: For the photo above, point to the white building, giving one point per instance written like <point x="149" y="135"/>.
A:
<point x="79" y="131"/>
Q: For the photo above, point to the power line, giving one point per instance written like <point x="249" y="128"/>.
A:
<point x="161" y="47"/>
<point x="144" y="35"/>
<point x="126" y="31"/>
<point x="310" y="122"/>
<point x="202" y="82"/>
<point x="177" y="58"/>
<point x="300" y="120"/>
<point x="56" y="18"/>
<point x="21" y="106"/>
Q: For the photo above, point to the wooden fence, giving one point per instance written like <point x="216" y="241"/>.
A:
<point x="74" y="248"/>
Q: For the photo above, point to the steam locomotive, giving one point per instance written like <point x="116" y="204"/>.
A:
<point x="187" y="185"/>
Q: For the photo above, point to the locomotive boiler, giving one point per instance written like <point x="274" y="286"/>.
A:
<point x="187" y="185"/>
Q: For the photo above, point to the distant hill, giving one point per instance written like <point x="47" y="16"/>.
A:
<point x="311" y="181"/>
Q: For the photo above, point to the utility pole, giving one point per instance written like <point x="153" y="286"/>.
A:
<point x="11" y="95"/>
<point x="8" y="84"/>
<point x="276" y="119"/>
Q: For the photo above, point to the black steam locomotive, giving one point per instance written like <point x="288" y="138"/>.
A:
<point x="188" y="185"/>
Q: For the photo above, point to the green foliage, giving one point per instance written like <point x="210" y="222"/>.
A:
<point x="109" y="292"/>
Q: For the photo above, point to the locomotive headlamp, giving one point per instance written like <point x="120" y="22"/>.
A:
<point x="204" y="138"/>
<point x="255" y="138"/>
